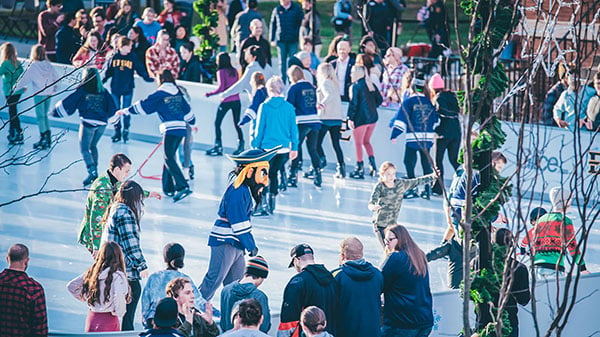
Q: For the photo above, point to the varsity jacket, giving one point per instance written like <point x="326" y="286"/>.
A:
<point x="303" y="96"/>
<point x="233" y="225"/>
<point x="173" y="109"/>
<point x="250" y="114"/>
<point x="554" y="235"/>
<point x="95" y="109"/>
<point x="418" y="118"/>
<point x="121" y="69"/>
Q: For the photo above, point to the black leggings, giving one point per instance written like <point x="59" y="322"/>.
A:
<point x="276" y="164"/>
<point x="172" y="178"/>
<point x="410" y="160"/>
<point x="334" y="135"/>
<point x="236" y="108"/>
<point x="11" y="101"/>
<point x="441" y="146"/>
<point x="311" y="136"/>
<point x="136" y="291"/>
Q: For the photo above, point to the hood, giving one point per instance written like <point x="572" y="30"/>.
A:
<point x="275" y="102"/>
<point x="243" y="290"/>
<point x="359" y="270"/>
<point x="320" y="273"/>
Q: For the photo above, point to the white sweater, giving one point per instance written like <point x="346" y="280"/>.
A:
<point x="117" y="303"/>
<point x="38" y="75"/>
<point x="328" y="94"/>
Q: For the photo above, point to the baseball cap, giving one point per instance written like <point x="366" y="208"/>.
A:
<point x="300" y="250"/>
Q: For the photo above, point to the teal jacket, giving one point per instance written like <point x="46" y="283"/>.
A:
<point x="10" y="75"/>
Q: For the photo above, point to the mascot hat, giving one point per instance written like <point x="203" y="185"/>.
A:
<point x="253" y="158"/>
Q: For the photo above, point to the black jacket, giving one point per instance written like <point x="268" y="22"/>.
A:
<point x="348" y="80"/>
<point x="67" y="44"/>
<point x="447" y="109"/>
<point x="192" y="70"/>
<point x="265" y="49"/>
<point x="313" y="286"/>
<point x="362" y="108"/>
<point x="358" y="315"/>
<point x="285" y="23"/>
<point x="453" y="250"/>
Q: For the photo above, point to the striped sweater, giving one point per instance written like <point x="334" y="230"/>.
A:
<point x="418" y="118"/>
<point x="554" y="235"/>
<point x="303" y="96"/>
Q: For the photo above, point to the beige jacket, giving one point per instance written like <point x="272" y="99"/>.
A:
<point x="118" y="293"/>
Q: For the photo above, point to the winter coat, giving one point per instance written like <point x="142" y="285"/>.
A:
<point x="236" y="291"/>
<point x="305" y="27"/>
<point x="285" y="23"/>
<point x="10" y="75"/>
<point x="199" y="327"/>
<point x="303" y="96"/>
<point x="98" y="199"/>
<point x="276" y="125"/>
<point x="119" y="289"/>
<point x="39" y="78"/>
<point x="454" y="251"/>
<point x="448" y="112"/>
<point x="328" y="95"/>
<point x="67" y="44"/>
<point x="314" y="285"/>
<point x="95" y="109"/>
<point x="347" y="79"/>
<point x="408" y="300"/>
<point x="191" y="70"/>
<point x="121" y="68"/>
<point x="362" y="109"/>
<point x="358" y="315"/>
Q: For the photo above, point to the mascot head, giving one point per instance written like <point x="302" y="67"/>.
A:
<point x="253" y="170"/>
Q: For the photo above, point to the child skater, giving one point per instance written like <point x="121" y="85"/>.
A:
<point x="386" y="198"/>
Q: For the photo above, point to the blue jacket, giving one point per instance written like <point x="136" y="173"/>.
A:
<point x="233" y="225"/>
<point x="358" y="277"/>
<point x="173" y="109"/>
<point x="303" y="96"/>
<point x="408" y="300"/>
<point x="285" y="23"/>
<point x="121" y="68"/>
<point x="276" y="125"/>
<point x="250" y="114"/>
<point x="94" y="109"/>
<point x="418" y="118"/>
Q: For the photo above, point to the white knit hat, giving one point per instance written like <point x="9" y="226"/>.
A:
<point x="559" y="197"/>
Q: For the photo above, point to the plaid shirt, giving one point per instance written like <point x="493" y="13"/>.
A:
<point x="392" y="81"/>
<point x="158" y="58"/>
<point x="22" y="305"/>
<point x="123" y="229"/>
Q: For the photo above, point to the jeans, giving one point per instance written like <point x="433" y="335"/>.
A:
<point x="185" y="150"/>
<point x="285" y="50"/>
<point x="388" y="331"/>
<point x="311" y="136"/>
<point x="126" y="102"/>
<point x="334" y="135"/>
<point x="276" y="164"/>
<point x="136" y="291"/>
<point x="543" y="273"/>
<point x="236" y="108"/>
<point x="441" y="146"/>
<point x="11" y="101"/>
<point x="89" y="136"/>
<point x="42" y="106"/>
<point x="410" y="160"/>
<point x="362" y="137"/>
<point x="172" y="177"/>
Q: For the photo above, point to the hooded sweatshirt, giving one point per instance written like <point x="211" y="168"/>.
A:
<point x="119" y="288"/>
<point x="38" y="77"/>
<point x="358" y="315"/>
<point x="235" y="292"/>
<point x="276" y="125"/>
<point x="314" y="285"/>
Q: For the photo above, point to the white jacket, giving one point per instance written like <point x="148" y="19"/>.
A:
<point x="38" y="75"/>
<point x="119" y="289"/>
<point x="328" y="94"/>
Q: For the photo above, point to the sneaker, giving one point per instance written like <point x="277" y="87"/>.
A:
<point x="180" y="195"/>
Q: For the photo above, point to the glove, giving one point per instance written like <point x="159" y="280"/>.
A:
<point x="254" y="252"/>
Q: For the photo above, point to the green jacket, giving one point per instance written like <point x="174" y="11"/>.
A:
<point x="98" y="200"/>
<point x="10" y="75"/>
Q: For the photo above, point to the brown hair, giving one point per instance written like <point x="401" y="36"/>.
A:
<point x="118" y="160"/>
<point x="109" y="256"/>
<point x="9" y="53"/>
<point x="131" y="194"/>
<point x="257" y="80"/>
<point x="313" y="318"/>
<point x="123" y="41"/>
<point x="38" y="52"/>
<point x="497" y="155"/>
<point x="405" y="243"/>
<point x="175" y="285"/>
<point x="295" y="73"/>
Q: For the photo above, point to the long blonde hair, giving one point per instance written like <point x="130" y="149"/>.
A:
<point x="9" y="53"/>
<point x="325" y="71"/>
<point x="38" y="53"/>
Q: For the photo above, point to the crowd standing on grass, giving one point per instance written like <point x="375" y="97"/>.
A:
<point x="298" y="107"/>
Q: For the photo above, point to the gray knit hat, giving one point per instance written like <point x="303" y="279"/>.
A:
<point x="559" y="197"/>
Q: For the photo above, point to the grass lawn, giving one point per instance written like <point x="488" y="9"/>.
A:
<point x="410" y="32"/>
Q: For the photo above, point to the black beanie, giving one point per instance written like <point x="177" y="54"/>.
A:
<point x="173" y="255"/>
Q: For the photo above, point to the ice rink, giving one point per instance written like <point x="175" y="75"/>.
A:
<point x="48" y="223"/>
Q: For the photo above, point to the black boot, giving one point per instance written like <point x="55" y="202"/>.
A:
<point x="92" y="175"/>
<point x="40" y="144"/>
<point x="340" y="171"/>
<point x="11" y="136"/>
<point x="18" y="140"/>
<point x="191" y="172"/>
<point x="359" y="172"/>
<point x="125" y="135"/>
<point x="47" y="140"/>
<point x="240" y="147"/>
<point x="282" y="181"/>
<point x="372" y="166"/>
<point x="272" y="202"/>
<point x="181" y="194"/>
<point x="311" y="173"/>
<point x="322" y="162"/>
<point x="217" y="150"/>
<point x="318" y="178"/>
<point x="292" y="180"/>
<point x="426" y="194"/>
<point x="117" y="136"/>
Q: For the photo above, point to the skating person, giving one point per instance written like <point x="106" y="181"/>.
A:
<point x="416" y="117"/>
<point x="104" y="287"/>
<point x="275" y="126"/>
<point x="231" y="234"/>
<point x="303" y="96"/>
<point x="121" y="68"/>
<point x="256" y="62"/>
<point x="362" y="115"/>
<point x="123" y="227"/>
<point x="386" y="198"/>
<point x="448" y="134"/>
<point x="10" y="71"/>
<point x="227" y="76"/>
<point x="39" y="81"/>
<point x="451" y="248"/>
<point x="190" y="320"/>
<point x="259" y="95"/>
<point x="96" y="107"/>
<point x="175" y="113"/>
<point x="529" y="239"/>
<point x="329" y="107"/>
<point x="99" y="198"/>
